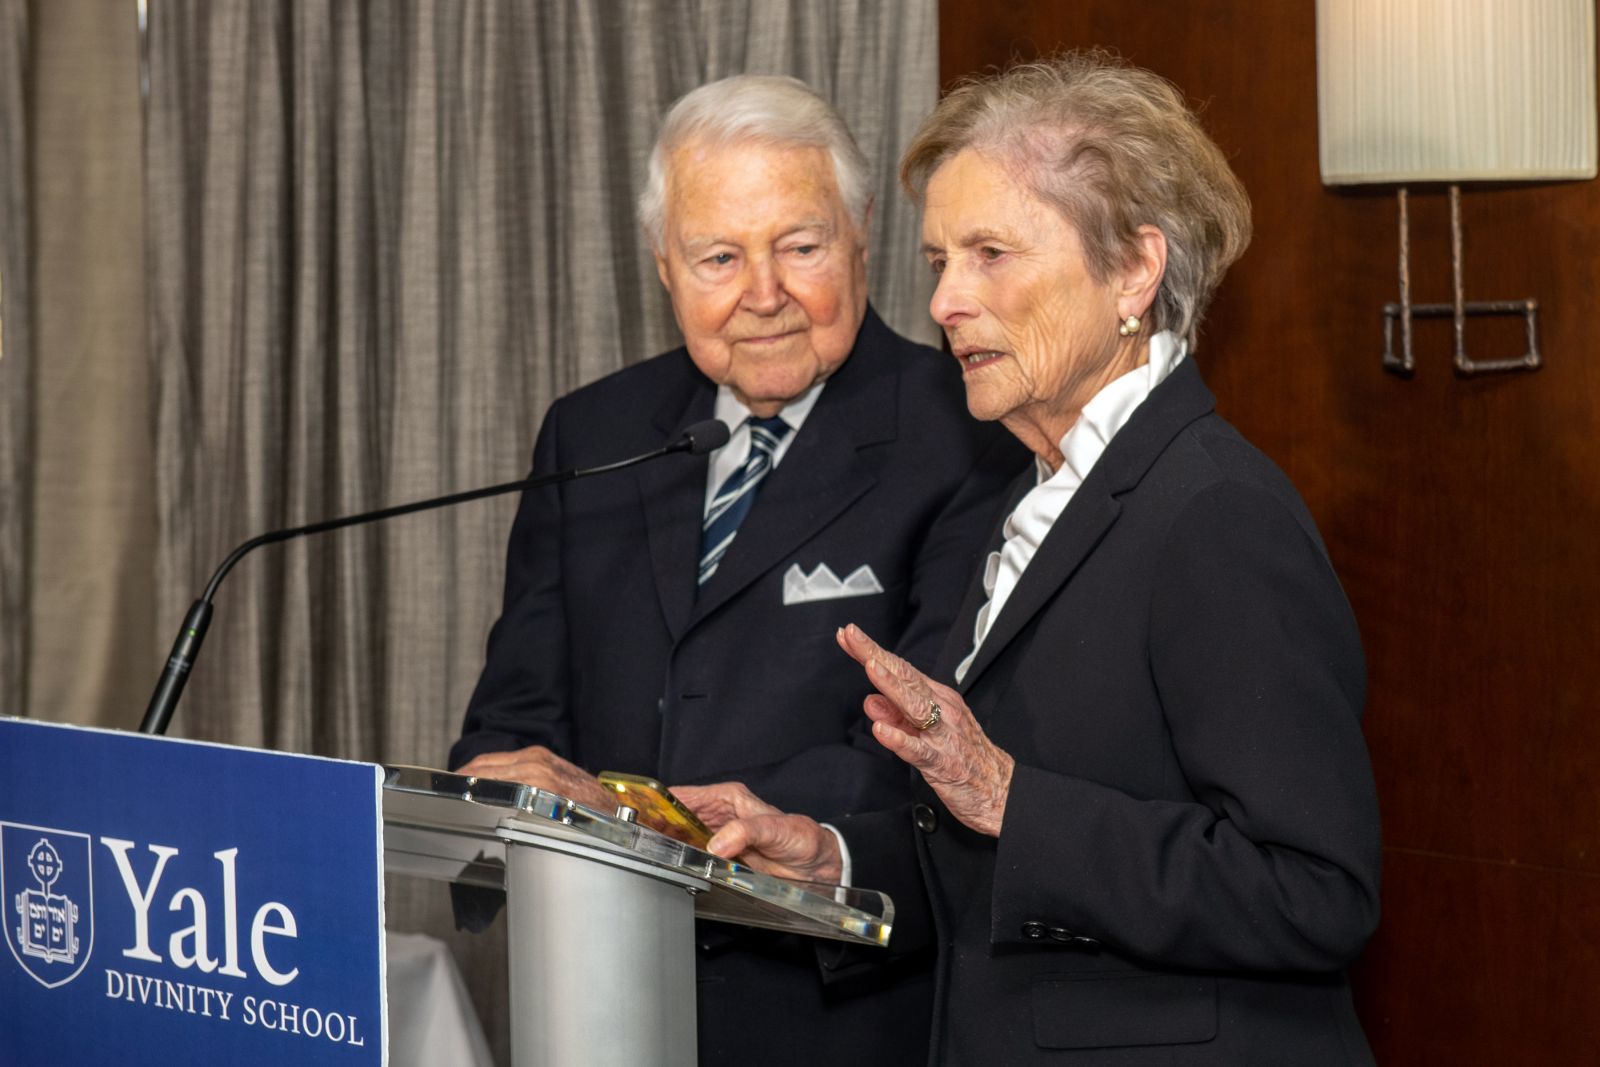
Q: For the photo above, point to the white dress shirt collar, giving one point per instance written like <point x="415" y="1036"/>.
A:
<point x="1081" y="447"/>
<point x="731" y="456"/>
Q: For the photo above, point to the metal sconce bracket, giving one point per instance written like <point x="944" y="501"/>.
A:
<point x="1405" y="310"/>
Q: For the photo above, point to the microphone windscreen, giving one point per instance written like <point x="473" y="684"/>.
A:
<point x="706" y="436"/>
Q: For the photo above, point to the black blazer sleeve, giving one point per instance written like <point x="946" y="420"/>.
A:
<point x="521" y="696"/>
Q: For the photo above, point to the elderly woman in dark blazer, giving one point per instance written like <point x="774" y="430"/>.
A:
<point x="1145" y="829"/>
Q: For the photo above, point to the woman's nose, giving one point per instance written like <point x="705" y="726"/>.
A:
<point x="952" y="301"/>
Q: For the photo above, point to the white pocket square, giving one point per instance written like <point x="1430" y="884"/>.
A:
<point x="822" y="584"/>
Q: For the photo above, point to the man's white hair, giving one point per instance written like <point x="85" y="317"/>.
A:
<point x="767" y="109"/>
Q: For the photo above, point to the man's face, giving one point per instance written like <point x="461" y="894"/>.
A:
<point x="766" y="269"/>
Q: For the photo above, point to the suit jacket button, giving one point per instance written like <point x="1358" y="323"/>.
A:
<point x="926" y="818"/>
<point x="1067" y="937"/>
<point x="1034" y="930"/>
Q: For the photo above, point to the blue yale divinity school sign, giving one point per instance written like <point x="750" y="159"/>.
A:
<point x="171" y="902"/>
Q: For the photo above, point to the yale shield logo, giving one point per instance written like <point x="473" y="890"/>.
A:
<point x="47" y="891"/>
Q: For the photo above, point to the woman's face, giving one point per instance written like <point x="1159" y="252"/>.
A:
<point x="1036" y="334"/>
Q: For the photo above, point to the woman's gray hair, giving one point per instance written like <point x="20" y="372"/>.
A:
<point x="1111" y="147"/>
<point x="768" y="109"/>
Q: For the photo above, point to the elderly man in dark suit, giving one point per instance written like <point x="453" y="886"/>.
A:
<point x="1144" y="827"/>
<point x="677" y="620"/>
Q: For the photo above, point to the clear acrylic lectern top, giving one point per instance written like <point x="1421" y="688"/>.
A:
<point x="451" y="826"/>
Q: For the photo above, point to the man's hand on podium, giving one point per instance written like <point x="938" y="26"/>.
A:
<point x="539" y="767"/>
<point x="756" y="833"/>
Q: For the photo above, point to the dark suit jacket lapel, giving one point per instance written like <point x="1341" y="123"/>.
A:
<point x="820" y="476"/>
<point x="1174" y="404"/>
<point x="959" y="641"/>
<point x="672" y="494"/>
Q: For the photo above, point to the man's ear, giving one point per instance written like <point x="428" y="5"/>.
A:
<point x="661" y="271"/>
<point x="1139" y="280"/>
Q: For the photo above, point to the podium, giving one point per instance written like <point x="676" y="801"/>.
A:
<point x="201" y="903"/>
<point x="600" y="911"/>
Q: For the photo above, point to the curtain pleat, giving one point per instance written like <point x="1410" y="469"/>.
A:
<point x="16" y="361"/>
<point x="382" y="238"/>
<point x="77" y="515"/>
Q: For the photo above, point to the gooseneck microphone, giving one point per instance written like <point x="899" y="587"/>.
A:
<point x="697" y="440"/>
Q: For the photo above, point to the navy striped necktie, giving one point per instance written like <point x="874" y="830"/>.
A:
<point x="734" y="497"/>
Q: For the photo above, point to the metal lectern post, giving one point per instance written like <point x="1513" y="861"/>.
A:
<point x="601" y="959"/>
<point x="600" y="911"/>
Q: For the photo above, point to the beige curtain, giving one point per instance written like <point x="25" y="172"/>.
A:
<point x="382" y="237"/>
<point x="16" y="361"/>
<point x="77" y="515"/>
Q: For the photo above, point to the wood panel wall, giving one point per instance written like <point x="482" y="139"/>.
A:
<point x="1462" y="515"/>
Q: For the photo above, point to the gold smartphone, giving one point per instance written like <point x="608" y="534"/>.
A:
<point x="657" y="807"/>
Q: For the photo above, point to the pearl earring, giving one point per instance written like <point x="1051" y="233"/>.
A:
<point x="1130" y="326"/>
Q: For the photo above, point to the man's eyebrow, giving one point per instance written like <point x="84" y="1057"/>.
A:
<point x="699" y="244"/>
<point x="822" y="226"/>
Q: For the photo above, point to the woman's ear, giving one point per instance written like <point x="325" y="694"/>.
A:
<point x="1139" y="280"/>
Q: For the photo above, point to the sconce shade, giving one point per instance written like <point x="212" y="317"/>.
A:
<point x="1455" y="90"/>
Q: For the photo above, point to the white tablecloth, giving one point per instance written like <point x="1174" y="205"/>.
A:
<point x="431" y="1018"/>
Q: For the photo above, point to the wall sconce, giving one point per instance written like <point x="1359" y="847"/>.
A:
<point x="1455" y="91"/>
